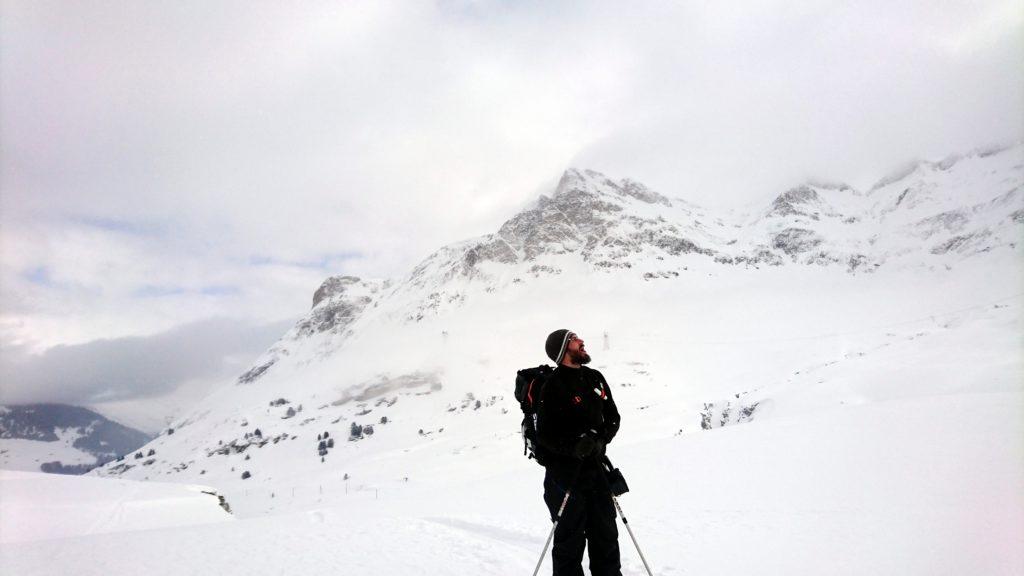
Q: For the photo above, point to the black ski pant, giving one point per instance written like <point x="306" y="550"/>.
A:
<point x="588" y="520"/>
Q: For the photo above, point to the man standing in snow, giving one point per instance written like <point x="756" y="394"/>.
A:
<point x="577" y="418"/>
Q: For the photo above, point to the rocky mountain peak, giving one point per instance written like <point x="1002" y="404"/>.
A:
<point x="583" y="210"/>
<point x="333" y="286"/>
<point x="338" y="300"/>
<point x="642" y="193"/>
<point x="813" y="200"/>
<point x="794" y="201"/>
<point x="576" y="182"/>
<point x="336" y="304"/>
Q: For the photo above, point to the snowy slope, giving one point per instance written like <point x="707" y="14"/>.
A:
<point x="961" y="205"/>
<point x="36" y="506"/>
<point x="783" y="410"/>
<point x="886" y="487"/>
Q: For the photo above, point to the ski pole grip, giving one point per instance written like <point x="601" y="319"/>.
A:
<point x="613" y="479"/>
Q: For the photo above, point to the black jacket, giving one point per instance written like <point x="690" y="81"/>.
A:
<point x="574" y="401"/>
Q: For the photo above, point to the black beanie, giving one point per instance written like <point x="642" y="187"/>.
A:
<point x="555" y="346"/>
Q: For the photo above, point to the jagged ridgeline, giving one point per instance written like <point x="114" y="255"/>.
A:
<point x="926" y="213"/>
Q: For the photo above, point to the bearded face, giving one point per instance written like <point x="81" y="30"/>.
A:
<point x="579" y="357"/>
<point x="576" y="351"/>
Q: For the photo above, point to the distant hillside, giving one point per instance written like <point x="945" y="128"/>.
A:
<point x="62" y="439"/>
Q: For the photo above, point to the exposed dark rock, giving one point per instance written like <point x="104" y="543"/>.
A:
<point x="496" y="250"/>
<point x="718" y="414"/>
<point x="954" y="243"/>
<point x="951" y="221"/>
<point x="793" y="241"/>
<point x="677" y="246"/>
<point x="71" y="469"/>
<point x="856" y="261"/>
<point x="639" y="191"/>
<point x="331" y="316"/>
<point x="238" y="447"/>
<point x="256" y="371"/>
<point x="793" y="202"/>
<point x="332" y="287"/>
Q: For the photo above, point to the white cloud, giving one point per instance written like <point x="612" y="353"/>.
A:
<point x="165" y="163"/>
<point x="124" y="374"/>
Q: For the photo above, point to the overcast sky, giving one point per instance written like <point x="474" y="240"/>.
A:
<point x="170" y="166"/>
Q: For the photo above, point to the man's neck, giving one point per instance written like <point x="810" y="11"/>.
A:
<point x="567" y="364"/>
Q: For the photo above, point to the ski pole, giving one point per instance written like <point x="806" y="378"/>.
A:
<point x="631" y="536"/>
<point x="625" y="522"/>
<point x="558" y="517"/>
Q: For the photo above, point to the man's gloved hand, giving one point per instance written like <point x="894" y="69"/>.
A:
<point x="588" y="446"/>
<point x="585" y="447"/>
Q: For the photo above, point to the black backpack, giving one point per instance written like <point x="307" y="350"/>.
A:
<point x="529" y="385"/>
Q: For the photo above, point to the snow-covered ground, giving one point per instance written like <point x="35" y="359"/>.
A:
<point x="36" y="506"/>
<point x="880" y="488"/>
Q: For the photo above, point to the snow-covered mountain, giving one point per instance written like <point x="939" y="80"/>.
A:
<point x="963" y="204"/>
<point x="960" y="206"/>
<point x="593" y="240"/>
<point x="61" y="438"/>
<point x="780" y="373"/>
